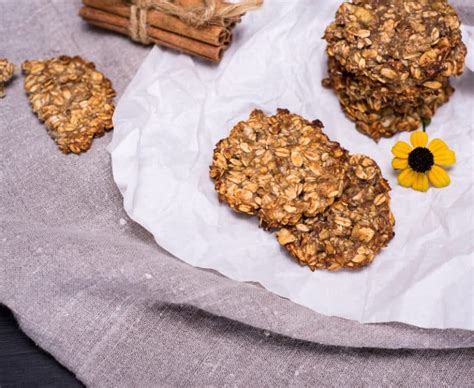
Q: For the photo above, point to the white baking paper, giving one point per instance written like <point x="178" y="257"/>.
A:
<point x="177" y="108"/>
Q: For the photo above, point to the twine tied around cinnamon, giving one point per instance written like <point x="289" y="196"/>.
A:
<point x="193" y="16"/>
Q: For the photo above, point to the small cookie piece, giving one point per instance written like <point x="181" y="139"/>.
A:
<point x="72" y="98"/>
<point x="391" y="41"/>
<point x="351" y="231"/>
<point x="279" y="167"/>
<point x="7" y="70"/>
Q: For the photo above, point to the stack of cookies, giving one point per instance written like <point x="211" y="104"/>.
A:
<point x="330" y="209"/>
<point x="390" y="61"/>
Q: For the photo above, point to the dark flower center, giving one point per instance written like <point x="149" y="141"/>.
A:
<point x="421" y="159"/>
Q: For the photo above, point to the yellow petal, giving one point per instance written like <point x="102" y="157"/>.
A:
<point x="437" y="145"/>
<point x="421" y="182"/>
<point x="399" y="164"/>
<point x="401" y="149"/>
<point x="406" y="177"/>
<point x="419" y="139"/>
<point x="445" y="158"/>
<point x="439" y="177"/>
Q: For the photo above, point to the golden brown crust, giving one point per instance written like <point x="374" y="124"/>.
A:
<point x="72" y="98"/>
<point x="351" y="232"/>
<point x="279" y="167"/>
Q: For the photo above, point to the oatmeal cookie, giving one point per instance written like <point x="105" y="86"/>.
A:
<point x="378" y="94"/>
<point x="391" y="118"/>
<point x="391" y="41"/>
<point x="72" y="98"/>
<point x="351" y="232"/>
<point x="279" y="167"/>
<point x="382" y="113"/>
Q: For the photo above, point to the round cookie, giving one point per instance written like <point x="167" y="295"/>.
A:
<point x="377" y="94"/>
<point x="382" y="113"/>
<point x="351" y="232"/>
<point x="279" y="167"/>
<point x="391" y="118"/>
<point x="397" y="41"/>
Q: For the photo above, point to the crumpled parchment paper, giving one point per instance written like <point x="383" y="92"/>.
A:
<point x="177" y="108"/>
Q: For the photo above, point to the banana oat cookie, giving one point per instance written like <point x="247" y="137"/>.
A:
<point x="72" y="98"/>
<point x="361" y="88"/>
<point x="390" y="118"/>
<point x="391" y="41"/>
<point x="279" y="167"/>
<point x="382" y="112"/>
<point x="351" y="231"/>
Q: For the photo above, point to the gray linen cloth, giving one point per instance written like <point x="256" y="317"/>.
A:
<point x="92" y="288"/>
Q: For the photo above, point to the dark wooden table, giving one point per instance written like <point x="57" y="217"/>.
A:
<point x="23" y="364"/>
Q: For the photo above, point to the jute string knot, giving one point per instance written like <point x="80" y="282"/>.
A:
<point x="197" y="16"/>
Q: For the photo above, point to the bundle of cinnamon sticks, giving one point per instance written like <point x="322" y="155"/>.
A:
<point x="207" y="41"/>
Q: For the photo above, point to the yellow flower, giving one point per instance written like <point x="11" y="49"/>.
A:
<point x="420" y="163"/>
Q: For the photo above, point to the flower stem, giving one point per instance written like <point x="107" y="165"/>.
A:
<point x="425" y="124"/>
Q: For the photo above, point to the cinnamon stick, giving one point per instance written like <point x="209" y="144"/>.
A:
<point x="124" y="31"/>
<point x="165" y="38"/>
<point x="232" y="22"/>
<point x="213" y="34"/>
